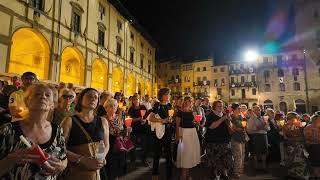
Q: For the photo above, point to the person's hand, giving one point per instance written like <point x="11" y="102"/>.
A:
<point x="53" y="166"/>
<point x="169" y="120"/>
<point x="22" y="156"/>
<point x="223" y="118"/>
<point x="178" y="139"/>
<point x="92" y="164"/>
<point x="143" y="121"/>
<point x="129" y="130"/>
<point x="2" y="109"/>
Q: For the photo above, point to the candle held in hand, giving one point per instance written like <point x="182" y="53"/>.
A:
<point x="128" y="121"/>
<point x="170" y="112"/>
<point x="244" y="124"/>
<point x="143" y="112"/>
<point x="198" y="118"/>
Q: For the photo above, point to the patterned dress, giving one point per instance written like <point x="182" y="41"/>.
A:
<point x="10" y="141"/>
<point x="296" y="161"/>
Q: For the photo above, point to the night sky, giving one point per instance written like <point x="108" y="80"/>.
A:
<point x="219" y="28"/>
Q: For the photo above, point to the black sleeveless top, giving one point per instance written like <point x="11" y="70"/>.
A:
<point x="94" y="129"/>
<point x="186" y="119"/>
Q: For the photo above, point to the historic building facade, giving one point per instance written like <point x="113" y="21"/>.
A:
<point x="220" y="83"/>
<point x="94" y="43"/>
<point x="243" y="83"/>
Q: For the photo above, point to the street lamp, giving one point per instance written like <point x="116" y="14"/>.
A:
<point x="250" y="55"/>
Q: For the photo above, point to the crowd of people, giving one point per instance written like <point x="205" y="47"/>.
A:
<point x="92" y="135"/>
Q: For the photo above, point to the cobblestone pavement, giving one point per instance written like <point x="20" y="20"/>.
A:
<point x="139" y="172"/>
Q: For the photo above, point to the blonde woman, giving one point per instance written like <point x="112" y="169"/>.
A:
<point x="116" y="161"/>
<point x="186" y="134"/>
<point x="16" y="161"/>
<point x="66" y="98"/>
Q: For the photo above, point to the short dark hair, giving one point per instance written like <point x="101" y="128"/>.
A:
<point x="235" y="106"/>
<point x="117" y="94"/>
<point x="78" y="106"/>
<point x="24" y="75"/>
<point x="162" y="92"/>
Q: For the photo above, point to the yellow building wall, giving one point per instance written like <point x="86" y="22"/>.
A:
<point x="85" y="42"/>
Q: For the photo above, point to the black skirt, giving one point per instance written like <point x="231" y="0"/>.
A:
<point x="259" y="143"/>
<point x="314" y="156"/>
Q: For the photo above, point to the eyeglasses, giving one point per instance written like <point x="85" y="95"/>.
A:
<point x="67" y="96"/>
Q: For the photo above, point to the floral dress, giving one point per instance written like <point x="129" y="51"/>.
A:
<point x="10" y="141"/>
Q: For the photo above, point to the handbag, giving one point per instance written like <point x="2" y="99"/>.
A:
<point x="77" y="171"/>
<point x="122" y="144"/>
<point x="119" y="145"/>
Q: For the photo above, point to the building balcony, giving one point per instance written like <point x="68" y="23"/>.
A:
<point x="243" y="84"/>
<point x="201" y="83"/>
<point x="201" y="94"/>
<point x="266" y="65"/>
<point x="242" y="71"/>
<point x="174" y="81"/>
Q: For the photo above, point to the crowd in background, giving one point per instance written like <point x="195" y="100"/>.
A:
<point x="88" y="134"/>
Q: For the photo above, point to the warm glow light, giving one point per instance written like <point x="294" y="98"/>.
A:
<point x="251" y="55"/>
<point x="117" y="82"/>
<point x="210" y="94"/>
<point x="101" y="77"/>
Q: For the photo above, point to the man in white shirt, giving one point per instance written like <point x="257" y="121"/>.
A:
<point x="146" y="102"/>
<point x="258" y="127"/>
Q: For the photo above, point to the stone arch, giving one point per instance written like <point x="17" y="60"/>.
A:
<point x="117" y="79"/>
<point x="30" y="51"/>
<point x="99" y="75"/>
<point x="72" y="66"/>
<point x="131" y="84"/>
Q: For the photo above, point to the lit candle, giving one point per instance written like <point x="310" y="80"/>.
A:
<point x="24" y="112"/>
<point x="197" y="117"/>
<point x="128" y="121"/>
<point x="297" y="123"/>
<point x="244" y="124"/>
<point x="142" y="112"/>
<point x="281" y="122"/>
<point x="170" y="112"/>
<point x="120" y="105"/>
